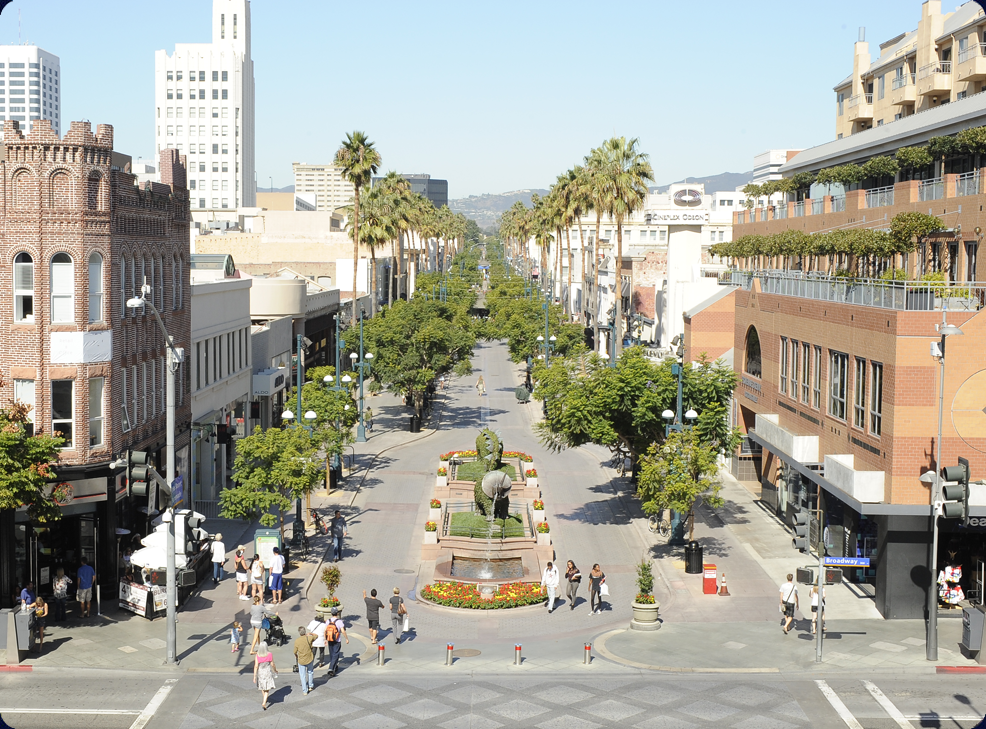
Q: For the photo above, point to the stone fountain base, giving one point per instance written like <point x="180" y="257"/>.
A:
<point x="532" y="556"/>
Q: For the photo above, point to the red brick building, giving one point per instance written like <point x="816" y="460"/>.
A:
<point x="77" y="239"/>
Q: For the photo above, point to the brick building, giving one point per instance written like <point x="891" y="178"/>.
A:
<point x="78" y="238"/>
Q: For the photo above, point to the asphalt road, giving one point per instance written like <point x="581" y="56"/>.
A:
<point x="363" y="698"/>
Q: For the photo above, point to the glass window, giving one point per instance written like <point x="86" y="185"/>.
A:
<point x="784" y="363"/>
<point x="215" y="94"/>
<point x="201" y="75"/>
<point x="24" y="394"/>
<point x="206" y="346"/>
<point x="752" y="364"/>
<point x="225" y="76"/>
<point x="795" y="367"/>
<point x="133" y="394"/>
<point x="96" y="287"/>
<point x="23" y="288"/>
<point x="876" y="398"/>
<point x="198" y="366"/>
<point x="838" y="374"/>
<point x="215" y="75"/>
<point x="816" y="382"/>
<point x="143" y="392"/>
<point x="126" y="401"/>
<point x="859" y="394"/>
<point x="62" y="288"/>
<point x="62" y="413"/>
<point x="225" y="94"/>
<point x="153" y="388"/>
<point x="805" y="372"/>
<point x="96" y="412"/>
<point x="216" y="352"/>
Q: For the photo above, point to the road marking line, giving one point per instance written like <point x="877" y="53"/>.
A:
<point x="888" y="705"/>
<point x="154" y="704"/>
<point x="113" y="712"/>
<point x="837" y="704"/>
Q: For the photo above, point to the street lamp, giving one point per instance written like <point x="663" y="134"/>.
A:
<point x="938" y="352"/>
<point x="174" y="358"/>
<point x="363" y="366"/>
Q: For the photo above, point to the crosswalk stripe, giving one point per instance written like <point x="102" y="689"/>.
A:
<point x="154" y="704"/>
<point x="888" y="705"/>
<point x="840" y="708"/>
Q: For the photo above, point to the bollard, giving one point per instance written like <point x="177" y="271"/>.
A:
<point x="448" y="654"/>
<point x="723" y="590"/>
<point x="518" y="659"/>
<point x="587" y="654"/>
<point x="380" y="655"/>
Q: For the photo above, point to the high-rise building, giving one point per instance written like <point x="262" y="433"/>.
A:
<point x="204" y="107"/>
<point x="434" y="190"/>
<point x="331" y="190"/>
<point x="33" y="86"/>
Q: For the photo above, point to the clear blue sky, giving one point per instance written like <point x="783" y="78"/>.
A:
<point x="492" y="96"/>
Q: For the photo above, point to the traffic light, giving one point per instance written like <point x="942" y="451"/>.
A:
<point x="800" y="540"/>
<point x="137" y="473"/>
<point x="956" y="495"/>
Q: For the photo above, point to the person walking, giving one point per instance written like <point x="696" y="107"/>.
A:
<point x="574" y="578"/>
<point x="40" y="608"/>
<point x="306" y="659"/>
<point x="60" y="587"/>
<point x="789" y="602"/>
<point x="597" y="578"/>
<point x="264" y="672"/>
<point x="338" y="530"/>
<point x="817" y="608"/>
<point x="85" y="575"/>
<point x="242" y="575"/>
<point x="368" y="419"/>
<point x="277" y="577"/>
<point x="258" y="611"/>
<point x="257" y="576"/>
<point x="218" y="558"/>
<point x="397" y="613"/>
<point x="481" y="386"/>
<point x="334" y="633"/>
<point x="373" y="606"/>
<point x="549" y="581"/>
<point x="317" y="628"/>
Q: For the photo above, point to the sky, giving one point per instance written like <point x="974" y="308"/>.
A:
<point x="491" y="95"/>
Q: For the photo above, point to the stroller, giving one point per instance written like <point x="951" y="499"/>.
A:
<point x="273" y="626"/>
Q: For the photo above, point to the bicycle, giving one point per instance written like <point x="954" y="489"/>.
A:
<point x="619" y="462"/>
<point x="657" y="524"/>
<point x="318" y="521"/>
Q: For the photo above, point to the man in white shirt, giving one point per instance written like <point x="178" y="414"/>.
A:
<point x="550" y="581"/>
<point x="789" y="601"/>
<point x="218" y="557"/>
<point x="277" y="576"/>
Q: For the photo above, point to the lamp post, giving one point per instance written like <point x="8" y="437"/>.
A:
<point x="944" y="330"/>
<point x="363" y="365"/>
<point x="175" y="357"/>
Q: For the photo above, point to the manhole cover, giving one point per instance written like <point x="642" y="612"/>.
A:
<point x="465" y="652"/>
<point x="404" y="572"/>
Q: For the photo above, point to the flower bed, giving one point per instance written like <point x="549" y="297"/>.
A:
<point x="643" y="599"/>
<point x="538" y="505"/>
<point x="459" y="595"/>
<point x="542" y="527"/>
<point x="473" y="454"/>
<point x="531" y="473"/>
<point x="443" y="471"/>
<point x="328" y="602"/>
<point x="431" y="526"/>
<point x="435" y="504"/>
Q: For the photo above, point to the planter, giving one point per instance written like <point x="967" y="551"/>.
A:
<point x="435" y="515"/>
<point x="544" y="540"/>
<point x="325" y="613"/>
<point x="531" y="482"/>
<point x="431" y="538"/>
<point x="441" y="481"/>
<point x="645" y="616"/>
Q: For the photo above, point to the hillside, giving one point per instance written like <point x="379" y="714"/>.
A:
<point x="485" y="209"/>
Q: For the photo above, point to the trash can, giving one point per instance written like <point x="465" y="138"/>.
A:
<point x="709" y="578"/>
<point x="693" y="558"/>
<point x="972" y="629"/>
<point x="415" y="426"/>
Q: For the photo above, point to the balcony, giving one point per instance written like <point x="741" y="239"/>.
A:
<point x="860" y="107"/>
<point x="880" y="197"/>
<point x="933" y="189"/>
<point x="904" y="90"/>
<point x="972" y="63"/>
<point x="935" y="78"/>
<point x="967" y="184"/>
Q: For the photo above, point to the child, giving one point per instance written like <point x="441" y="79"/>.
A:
<point x="234" y="637"/>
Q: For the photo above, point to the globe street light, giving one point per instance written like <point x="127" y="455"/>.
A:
<point x="363" y="366"/>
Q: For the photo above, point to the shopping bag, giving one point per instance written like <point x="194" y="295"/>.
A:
<point x="604" y="590"/>
<point x="407" y="623"/>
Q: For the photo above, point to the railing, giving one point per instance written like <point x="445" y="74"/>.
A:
<point x="860" y="99"/>
<point x="208" y="509"/>
<point x="817" y="207"/>
<point x="780" y="211"/>
<point x="741" y="217"/>
<point x="799" y="209"/>
<point x="896" y="295"/>
<point x="880" y="197"/>
<point x="967" y="184"/>
<point x="976" y="49"/>
<point x="524" y="529"/>
<point x="902" y="81"/>
<point x="763" y="215"/>
<point x="933" y="189"/>
<point x="838" y="203"/>
<point x="933" y="68"/>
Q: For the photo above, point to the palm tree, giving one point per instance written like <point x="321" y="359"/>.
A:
<point x="596" y="190"/>
<point x="399" y="191"/>
<point x="359" y="160"/>
<point x="630" y="171"/>
<point x="579" y="204"/>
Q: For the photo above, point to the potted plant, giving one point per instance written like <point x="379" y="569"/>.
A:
<point x="431" y="532"/>
<point x="434" y="510"/>
<point x="538" y="505"/>
<point x="442" y="479"/>
<point x="331" y="577"/>
<point x="645" y="607"/>
<point x="543" y="536"/>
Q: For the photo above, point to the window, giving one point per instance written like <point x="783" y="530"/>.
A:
<point x="125" y="424"/>
<point x="124" y="291"/>
<point x="215" y="130"/>
<point x="215" y="149"/>
<point x="795" y="367"/>
<point x="842" y="98"/>
<point x="225" y="112"/>
<point x="216" y="353"/>
<point x="96" y="287"/>
<point x="215" y="94"/>
<point x="859" y="395"/>
<point x="215" y="75"/>
<point x="181" y="284"/>
<point x="204" y="381"/>
<point x="225" y="149"/>
<point x="225" y="185"/>
<point x="876" y="398"/>
<point x="225" y="76"/>
<point x="133" y="394"/>
<point x="805" y="371"/>
<point x="663" y="236"/>
<point x="24" y="394"/>
<point x="752" y="364"/>
<point x="784" y="364"/>
<point x="215" y="185"/>
<point x="838" y="373"/>
<point x="96" y="412"/>
<point x="225" y="94"/>
<point x="133" y="288"/>
<point x="198" y="366"/>
<point x="143" y="392"/>
<point x="201" y="75"/>
<point x="153" y="388"/>
<point x="881" y="87"/>
<point x="816" y="383"/>
<point x="23" y="288"/>
<point x="62" y="419"/>
<point x="225" y="131"/>
<point x="62" y="288"/>
<point x="712" y="236"/>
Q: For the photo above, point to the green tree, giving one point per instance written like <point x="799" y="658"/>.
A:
<point x="27" y="466"/>
<point x="676" y="473"/>
<point x="336" y="411"/>
<point x="273" y="467"/>
<point x="359" y="160"/>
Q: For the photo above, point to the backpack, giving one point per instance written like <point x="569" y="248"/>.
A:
<point x="332" y="632"/>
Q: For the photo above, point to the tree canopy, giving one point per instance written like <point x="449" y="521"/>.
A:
<point x="27" y="466"/>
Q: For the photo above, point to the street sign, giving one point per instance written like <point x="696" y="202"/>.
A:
<point x="847" y="562"/>
<point x="177" y="491"/>
<point x="482" y="267"/>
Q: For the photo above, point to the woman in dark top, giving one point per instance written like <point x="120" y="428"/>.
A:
<point x="241" y="575"/>
<point x="574" y="578"/>
<point x="40" y="621"/>
<point x="596" y="579"/>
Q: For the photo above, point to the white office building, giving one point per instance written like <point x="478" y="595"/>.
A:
<point x="204" y="107"/>
<point x="331" y="190"/>
<point x="30" y="86"/>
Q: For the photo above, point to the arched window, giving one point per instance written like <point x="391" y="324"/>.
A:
<point x="160" y="284"/>
<point x="174" y="282"/>
<point x="23" y="288"/>
<point x="181" y="283"/>
<point x="94" y="188"/>
<point x="124" y="286"/>
<point x="751" y="363"/>
<point x="152" y="279"/>
<point x="132" y="284"/>
<point x="96" y="287"/>
<point x="62" y="288"/>
<point x="23" y="188"/>
<point x="141" y="281"/>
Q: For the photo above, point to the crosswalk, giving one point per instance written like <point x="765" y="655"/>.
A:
<point x="942" y="708"/>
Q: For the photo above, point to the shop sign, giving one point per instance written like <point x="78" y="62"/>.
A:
<point x="137" y="598"/>
<point x="698" y="217"/>
<point x="847" y="562"/>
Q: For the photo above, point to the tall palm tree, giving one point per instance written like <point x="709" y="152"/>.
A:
<point x="596" y="190"/>
<point x="359" y="160"/>
<point x="399" y="191"/>
<point x="579" y="205"/>
<point x="630" y="171"/>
